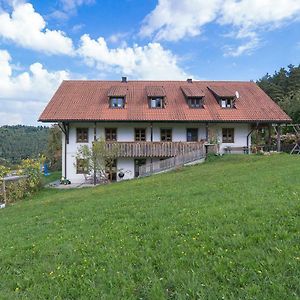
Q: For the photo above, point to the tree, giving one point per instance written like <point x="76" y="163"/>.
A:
<point x="54" y="147"/>
<point x="98" y="160"/>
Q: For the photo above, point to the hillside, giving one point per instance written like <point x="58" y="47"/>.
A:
<point x="226" y="229"/>
<point x="21" y="141"/>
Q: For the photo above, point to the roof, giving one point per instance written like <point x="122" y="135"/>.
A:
<point x="222" y="91"/>
<point x="192" y="91"/>
<point x="88" y="101"/>
<point x="117" y="91"/>
<point x="155" y="91"/>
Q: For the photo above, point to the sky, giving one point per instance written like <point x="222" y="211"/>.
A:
<point x="45" y="42"/>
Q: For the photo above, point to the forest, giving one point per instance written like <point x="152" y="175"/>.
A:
<point x="20" y="142"/>
<point x="284" y="88"/>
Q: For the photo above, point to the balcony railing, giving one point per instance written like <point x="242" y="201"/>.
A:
<point x="154" y="149"/>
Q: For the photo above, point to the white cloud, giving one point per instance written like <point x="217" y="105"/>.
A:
<point x="24" y="95"/>
<point x="71" y="5"/>
<point x="172" y="20"/>
<point x="148" y="62"/>
<point x="27" y="28"/>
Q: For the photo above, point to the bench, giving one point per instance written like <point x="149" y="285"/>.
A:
<point x="230" y="149"/>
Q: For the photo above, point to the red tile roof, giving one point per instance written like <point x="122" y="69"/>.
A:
<point x="117" y="90"/>
<point x="155" y="91"/>
<point x="192" y="91"/>
<point x="88" y="101"/>
<point x="222" y="91"/>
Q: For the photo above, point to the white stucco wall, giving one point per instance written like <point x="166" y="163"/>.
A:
<point x="125" y="133"/>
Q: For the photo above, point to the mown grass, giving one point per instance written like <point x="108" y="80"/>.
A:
<point x="227" y="229"/>
<point x="54" y="175"/>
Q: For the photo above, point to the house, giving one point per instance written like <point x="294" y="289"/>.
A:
<point x="153" y="120"/>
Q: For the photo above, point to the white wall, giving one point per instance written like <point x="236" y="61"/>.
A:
<point x="125" y="133"/>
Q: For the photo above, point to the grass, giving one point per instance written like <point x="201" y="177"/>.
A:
<point x="227" y="229"/>
<point x="53" y="175"/>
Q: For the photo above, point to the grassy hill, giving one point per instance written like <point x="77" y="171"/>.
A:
<point x="227" y="229"/>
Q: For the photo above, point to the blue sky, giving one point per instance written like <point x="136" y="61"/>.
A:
<point x="44" y="42"/>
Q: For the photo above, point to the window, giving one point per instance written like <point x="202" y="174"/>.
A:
<point x="82" y="135"/>
<point x="117" y="102"/>
<point x="226" y="102"/>
<point x="195" y="102"/>
<point x="166" y="135"/>
<point x="140" y="134"/>
<point x="111" y="169"/>
<point x="157" y="102"/>
<point x="228" y="135"/>
<point x="137" y="164"/>
<point x="110" y="134"/>
<point x="81" y="166"/>
<point x="192" y="134"/>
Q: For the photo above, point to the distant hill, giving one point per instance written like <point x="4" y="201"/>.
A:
<point x="21" y="141"/>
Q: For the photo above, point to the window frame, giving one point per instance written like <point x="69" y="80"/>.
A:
<point x="109" y="131"/>
<point x="81" y="136"/>
<point x="197" y="134"/>
<point x="164" y="133"/>
<point x="226" y="132"/>
<point x="138" y="135"/>
<point x="226" y="100"/>
<point x="192" y="100"/>
<point x="81" y="169"/>
<point x="162" y="102"/>
<point x="112" y="98"/>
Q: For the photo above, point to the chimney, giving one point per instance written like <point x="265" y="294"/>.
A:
<point x="124" y="79"/>
<point x="189" y="80"/>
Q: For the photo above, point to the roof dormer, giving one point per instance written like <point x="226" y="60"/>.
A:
<point x="156" y="96"/>
<point x="117" y="96"/>
<point x="224" y="96"/>
<point x="193" y="95"/>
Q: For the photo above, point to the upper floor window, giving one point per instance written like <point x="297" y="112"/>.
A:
<point x="228" y="135"/>
<point x="157" y="102"/>
<point x="117" y="102"/>
<point x="82" y="135"/>
<point x="140" y="134"/>
<point x="192" y="134"/>
<point x="226" y="102"/>
<point x="110" y="134"/>
<point x="166" y="135"/>
<point x="195" y="102"/>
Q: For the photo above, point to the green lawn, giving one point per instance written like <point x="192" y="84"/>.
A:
<point x="54" y="175"/>
<point x="226" y="229"/>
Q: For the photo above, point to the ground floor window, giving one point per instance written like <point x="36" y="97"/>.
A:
<point x="228" y="135"/>
<point x="137" y="164"/>
<point x="192" y="134"/>
<point x="81" y="166"/>
<point x="166" y="135"/>
<point x="111" y="169"/>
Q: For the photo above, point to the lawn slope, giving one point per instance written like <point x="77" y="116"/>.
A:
<point x="228" y="228"/>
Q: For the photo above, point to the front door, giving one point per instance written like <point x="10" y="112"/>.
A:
<point x="137" y="164"/>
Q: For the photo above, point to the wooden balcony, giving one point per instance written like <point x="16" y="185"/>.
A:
<point x="155" y="149"/>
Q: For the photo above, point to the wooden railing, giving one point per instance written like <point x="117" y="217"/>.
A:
<point x="170" y="163"/>
<point x="154" y="149"/>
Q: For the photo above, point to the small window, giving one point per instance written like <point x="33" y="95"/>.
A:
<point x="82" y="135"/>
<point x="140" y="134"/>
<point x="81" y="166"/>
<point x="226" y="102"/>
<point x="228" y="135"/>
<point x="195" y="102"/>
<point x="192" y="134"/>
<point x="157" y="102"/>
<point x="117" y="102"/>
<point x="166" y="135"/>
<point x="110" y="134"/>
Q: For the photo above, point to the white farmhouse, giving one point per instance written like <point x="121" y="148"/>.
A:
<point x="154" y="120"/>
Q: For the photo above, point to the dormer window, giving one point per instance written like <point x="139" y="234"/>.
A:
<point x="226" y="102"/>
<point x="117" y="102"/>
<point x="157" y="102"/>
<point x="195" y="102"/>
